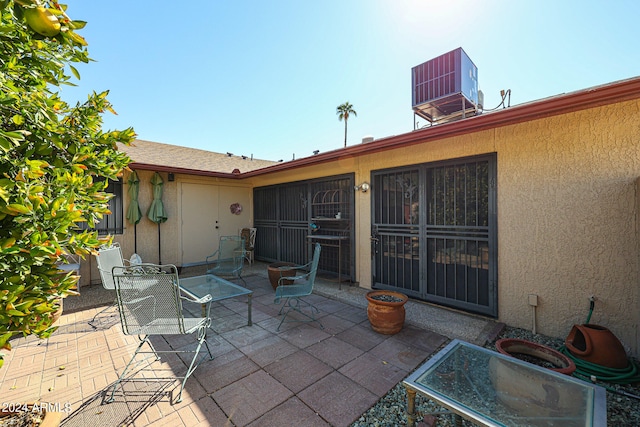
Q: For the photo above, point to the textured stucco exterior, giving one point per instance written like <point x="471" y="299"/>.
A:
<point x="568" y="204"/>
<point x="144" y="237"/>
<point x="567" y="214"/>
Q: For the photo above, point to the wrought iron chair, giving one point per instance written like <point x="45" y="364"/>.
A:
<point x="150" y="303"/>
<point x="107" y="258"/>
<point x="300" y="287"/>
<point x="249" y="236"/>
<point x="228" y="260"/>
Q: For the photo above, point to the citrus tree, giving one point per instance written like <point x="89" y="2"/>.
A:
<point x="55" y="164"/>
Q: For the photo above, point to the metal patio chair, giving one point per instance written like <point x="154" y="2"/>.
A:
<point x="301" y="287"/>
<point x="107" y="258"/>
<point x="228" y="260"/>
<point x="70" y="263"/>
<point x="150" y="303"/>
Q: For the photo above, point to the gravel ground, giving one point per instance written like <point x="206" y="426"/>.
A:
<point x="622" y="411"/>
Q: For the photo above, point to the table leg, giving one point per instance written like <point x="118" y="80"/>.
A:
<point x="249" y="322"/>
<point x="411" y="406"/>
<point x="204" y="310"/>
<point x="339" y="264"/>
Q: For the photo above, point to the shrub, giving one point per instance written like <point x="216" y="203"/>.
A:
<point x="55" y="162"/>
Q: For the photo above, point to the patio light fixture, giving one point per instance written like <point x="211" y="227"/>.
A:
<point x="364" y="187"/>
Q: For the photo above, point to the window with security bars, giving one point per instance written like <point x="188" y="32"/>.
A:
<point x="112" y="223"/>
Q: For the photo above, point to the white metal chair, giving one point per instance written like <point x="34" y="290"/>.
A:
<point x="107" y="258"/>
<point x="70" y="263"/>
<point x="228" y="260"/>
<point x="147" y="310"/>
<point x="249" y="236"/>
<point x="301" y="287"/>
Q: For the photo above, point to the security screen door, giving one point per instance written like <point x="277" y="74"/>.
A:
<point x="434" y="232"/>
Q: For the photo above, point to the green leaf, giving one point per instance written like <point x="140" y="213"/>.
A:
<point x="4" y="338"/>
<point x="15" y="313"/>
<point x="78" y="25"/>
<point x="74" y="71"/>
<point x="5" y="144"/>
<point x="16" y="209"/>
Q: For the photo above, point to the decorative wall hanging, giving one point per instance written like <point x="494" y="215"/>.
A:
<point x="236" y="208"/>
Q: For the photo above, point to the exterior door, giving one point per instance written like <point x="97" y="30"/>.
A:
<point x="434" y="233"/>
<point x="200" y="230"/>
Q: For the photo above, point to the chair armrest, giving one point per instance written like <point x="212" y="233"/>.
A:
<point x="188" y="297"/>
<point x="213" y="257"/>
<point x="295" y="267"/>
<point x="293" y="278"/>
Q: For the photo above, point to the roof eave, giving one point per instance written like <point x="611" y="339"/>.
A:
<point x="186" y="171"/>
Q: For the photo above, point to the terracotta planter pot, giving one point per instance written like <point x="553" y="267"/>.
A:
<point x="386" y="316"/>
<point x="275" y="273"/>
<point x="596" y="344"/>
<point x="513" y="347"/>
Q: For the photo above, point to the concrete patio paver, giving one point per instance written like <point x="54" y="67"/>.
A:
<point x="300" y="375"/>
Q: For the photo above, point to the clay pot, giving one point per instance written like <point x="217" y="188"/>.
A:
<point x="598" y="345"/>
<point x="386" y="316"/>
<point x="275" y="273"/>
<point x="513" y="347"/>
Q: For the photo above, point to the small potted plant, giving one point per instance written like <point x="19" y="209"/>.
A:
<point x="386" y="311"/>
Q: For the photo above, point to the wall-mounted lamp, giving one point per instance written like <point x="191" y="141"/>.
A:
<point x="171" y="177"/>
<point x="364" y="187"/>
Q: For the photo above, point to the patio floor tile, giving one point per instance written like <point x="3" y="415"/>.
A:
<point x="334" y="352"/>
<point x="374" y="374"/>
<point x="268" y="350"/>
<point x="402" y="355"/>
<point x="291" y="413"/>
<point x="224" y="370"/>
<point x="362" y="337"/>
<point x="298" y="370"/>
<point x="338" y="399"/>
<point x="250" y="397"/>
<point x="304" y="335"/>
<point x="244" y="336"/>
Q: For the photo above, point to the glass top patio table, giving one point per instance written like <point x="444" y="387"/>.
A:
<point x="217" y="287"/>
<point x="492" y="389"/>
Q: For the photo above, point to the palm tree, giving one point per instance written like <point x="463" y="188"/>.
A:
<point x="343" y="111"/>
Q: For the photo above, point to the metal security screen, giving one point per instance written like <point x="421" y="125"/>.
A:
<point x="434" y="232"/>
<point x="285" y="215"/>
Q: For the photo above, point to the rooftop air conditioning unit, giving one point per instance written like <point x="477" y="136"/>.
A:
<point x="445" y="87"/>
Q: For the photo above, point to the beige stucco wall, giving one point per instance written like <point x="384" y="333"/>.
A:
<point x="567" y="214"/>
<point x="170" y="231"/>
<point x="567" y="220"/>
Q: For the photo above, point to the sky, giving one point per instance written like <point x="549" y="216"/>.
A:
<point x="264" y="78"/>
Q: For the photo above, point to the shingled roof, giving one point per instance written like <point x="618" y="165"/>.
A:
<point x="147" y="154"/>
